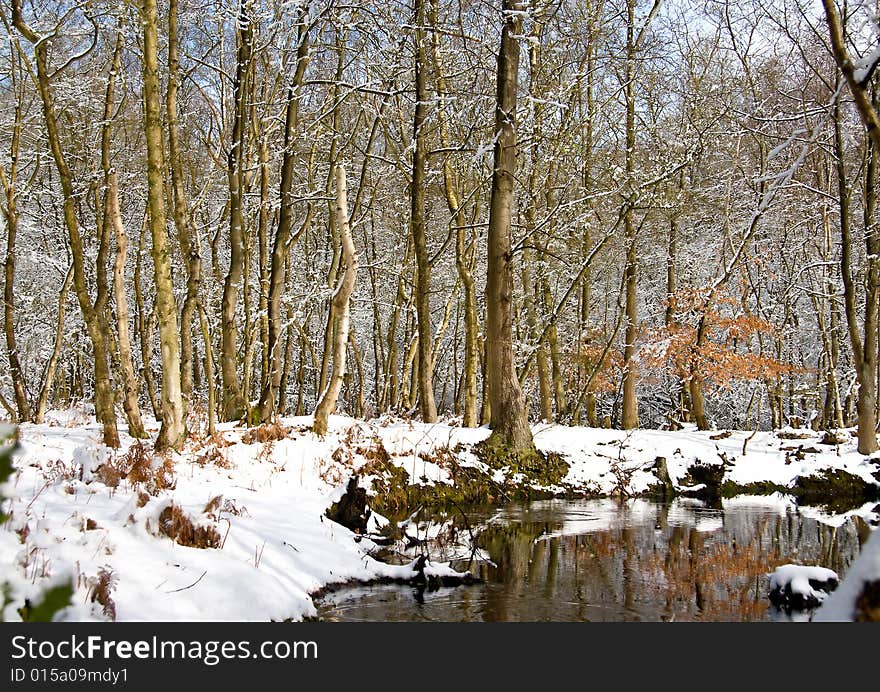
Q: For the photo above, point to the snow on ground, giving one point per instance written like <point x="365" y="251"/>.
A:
<point x="267" y="502"/>
<point x="843" y="604"/>
<point x="602" y="458"/>
<point x="277" y="547"/>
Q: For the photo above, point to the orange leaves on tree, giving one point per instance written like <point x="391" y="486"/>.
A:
<point x="608" y="367"/>
<point x="710" y="340"/>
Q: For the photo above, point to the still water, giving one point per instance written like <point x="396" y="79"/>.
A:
<point x="610" y="560"/>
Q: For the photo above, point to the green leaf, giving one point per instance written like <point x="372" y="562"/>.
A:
<point x="7" y="433"/>
<point x="54" y="599"/>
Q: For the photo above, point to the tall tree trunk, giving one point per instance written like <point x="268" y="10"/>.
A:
<point x="10" y="215"/>
<point x="335" y="246"/>
<point x="588" y="182"/>
<point x="464" y="251"/>
<point x="864" y="345"/>
<point x="93" y="314"/>
<point x="427" y="406"/>
<point x="263" y="256"/>
<point x="113" y="218"/>
<point x="234" y="404"/>
<point x="282" y="242"/>
<point x="186" y="233"/>
<point x="173" y="431"/>
<point x="630" y="408"/>
<point x="511" y="434"/>
<point x="532" y="289"/>
<point x="863" y="365"/>
<point x="341" y="300"/>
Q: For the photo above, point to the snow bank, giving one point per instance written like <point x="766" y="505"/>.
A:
<point x="266" y="503"/>
<point x="858" y="597"/>
<point x="801" y="586"/>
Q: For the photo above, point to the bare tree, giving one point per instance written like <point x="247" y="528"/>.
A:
<point x="865" y="342"/>
<point x="93" y="312"/>
<point x="234" y="404"/>
<point x="427" y="407"/>
<point x="113" y="218"/>
<point x="10" y="216"/>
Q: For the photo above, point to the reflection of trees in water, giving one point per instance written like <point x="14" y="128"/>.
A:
<point x="649" y="567"/>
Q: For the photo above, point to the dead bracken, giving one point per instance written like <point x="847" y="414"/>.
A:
<point x="175" y="523"/>
<point x="100" y="588"/>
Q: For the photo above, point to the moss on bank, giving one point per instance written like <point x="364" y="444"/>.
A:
<point x="835" y="490"/>
<point x="540" y="476"/>
<point x="531" y="478"/>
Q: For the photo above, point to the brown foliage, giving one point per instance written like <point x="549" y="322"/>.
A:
<point x="721" y="354"/>
<point x="213" y="504"/>
<point x="868" y="603"/>
<point x="100" y="587"/>
<point x="141" y="470"/>
<point x="136" y="466"/>
<point x="267" y="432"/>
<point x="112" y="471"/>
<point x="179" y="527"/>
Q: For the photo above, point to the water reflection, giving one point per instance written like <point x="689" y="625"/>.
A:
<point x="605" y="560"/>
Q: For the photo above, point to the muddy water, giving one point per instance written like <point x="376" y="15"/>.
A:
<point x="605" y="560"/>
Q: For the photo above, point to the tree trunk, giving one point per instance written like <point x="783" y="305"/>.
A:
<point x="427" y="406"/>
<point x="282" y="242"/>
<point x="186" y="234"/>
<point x="341" y="299"/>
<point x="862" y="359"/>
<point x="10" y="215"/>
<point x="234" y="404"/>
<point x="464" y="252"/>
<point x="511" y="434"/>
<point x="113" y="218"/>
<point x="92" y="313"/>
<point x="173" y="431"/>
<point x="864" y="345"/>
<point x="630" y="408"/>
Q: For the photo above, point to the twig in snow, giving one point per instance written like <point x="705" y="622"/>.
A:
<point x="184" y="588"/>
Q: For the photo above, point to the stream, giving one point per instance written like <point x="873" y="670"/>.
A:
<point x="609" y="560"/>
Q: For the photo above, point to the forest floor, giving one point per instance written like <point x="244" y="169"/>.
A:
<point x="234" y="527"/>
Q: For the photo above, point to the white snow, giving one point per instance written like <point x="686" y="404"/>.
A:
<point x="797" y="578"/>
<point x="841" y="605"/>
<point x="277" y="548"/>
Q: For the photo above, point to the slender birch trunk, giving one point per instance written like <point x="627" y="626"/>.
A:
<point x="341" y="312"/>
<point x="113" y="218"/>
